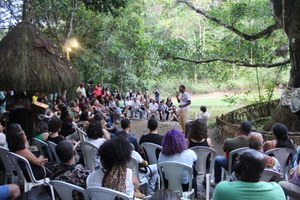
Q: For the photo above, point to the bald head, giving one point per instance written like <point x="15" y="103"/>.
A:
<point x="250" y="165"/>
<point x="256" y="141"/>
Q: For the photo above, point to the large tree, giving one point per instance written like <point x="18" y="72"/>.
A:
<point x="287" y="17"/>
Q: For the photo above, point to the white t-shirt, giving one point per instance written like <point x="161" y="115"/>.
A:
<point x="128" y="103"/>
<point x="136" y="104"/>
<point x="185" y="97"/>
<point x="81" y="92"/>
<point x="187" y="157"/>
<point x="153" y="107"/>
<point x="137" y="156"/>
<point x="95" y="179"/>
<point x="204" y="115"/>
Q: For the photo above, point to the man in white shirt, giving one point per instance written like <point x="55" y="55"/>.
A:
<point x="153" y="108"/>
<point x="80" y="91"/>
<point x="184" y="102"/>
<point x="204" y="114"/>
<point x="136" y="107"/>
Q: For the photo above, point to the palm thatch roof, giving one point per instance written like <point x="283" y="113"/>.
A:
<point x="29" y="61"/>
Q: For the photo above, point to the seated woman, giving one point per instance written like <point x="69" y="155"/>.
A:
<point x="42" y="128"/>
<point x="67" y="128"/>
<point x="114" y="155"/>
<point x="95" y="136"/>
<point x="53" y="128"/>
<point x="174" y="148"/>
<point x="17" y="143"/>
<point x="198" y="134"/>
<point x="281" y="140"/>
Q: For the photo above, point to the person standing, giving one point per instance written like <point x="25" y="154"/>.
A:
<point x="184" y="102"/>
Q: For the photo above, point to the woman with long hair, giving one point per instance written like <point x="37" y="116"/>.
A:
<point x="281" y="139"/>
<point x="17" y="143"/>
<point x="198" y="134"/>
<point x="114" y="155"/>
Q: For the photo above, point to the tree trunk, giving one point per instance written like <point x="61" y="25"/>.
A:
<point x="286" y="12"/>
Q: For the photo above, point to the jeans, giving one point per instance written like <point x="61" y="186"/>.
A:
<point x="134" y="110"/>
<point x="220" y="162"/>
<point x="152" y="173"/>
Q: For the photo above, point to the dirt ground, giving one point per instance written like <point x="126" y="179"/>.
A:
<point x="139" y="128"/>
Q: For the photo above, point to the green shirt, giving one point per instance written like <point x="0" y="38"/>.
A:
<point x="240" y="190"/>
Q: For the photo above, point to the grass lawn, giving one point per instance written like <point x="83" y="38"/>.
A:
<point x="217" y="106"/>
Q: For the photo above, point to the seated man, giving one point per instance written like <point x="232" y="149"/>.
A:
<point x="230" y="144"/>
<point x="153" y="136"/>
<point x="256" y="142"/>
<point x="125" y="125"/>
<point x="11" y="191"/>
<point x="136" y="107"/>
<point x="153" y="108"/>
<point x="249" y="169"/>
<point x="67" y="170"/>
<point x="204" y="114"/>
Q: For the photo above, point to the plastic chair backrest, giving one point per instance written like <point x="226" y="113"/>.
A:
<point x="52" y="146"/>
<point x="284" y="156"/>
<point x="94" y="193"/>
<point x="9" y="169"/>
<point x="270" y="176"/>
<point x="231" y="156"/>
<point x="202" y="155"/>
<point x="41" y="146"/>
<point x="82" y="134"/>
<point x="89" y="151"/>
<point x="16" y="159"/>
<point x="172" y="171"/>
<point x="65" y="190"/>
<point x="150" y="151"/>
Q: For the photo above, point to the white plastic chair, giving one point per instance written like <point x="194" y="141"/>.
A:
<point x="270" y="175"/>
<point x="89" y="151"/>
<point x="15" y="158"/>
<point x="94" y="193"/>
<point x="143" y="180"/>
<point x="65" y="190"/>
<point x="82" y="134"/>
<point x="9" y="168"/>
<point x="172" y="171"/>
<point x="284" y="156"/>
<point x="41" y="146"/>
<point x="52" y="146"/>
<point x="200" y="165"/>
<point x="230" y="160"/>
<point x="150" y="152"/>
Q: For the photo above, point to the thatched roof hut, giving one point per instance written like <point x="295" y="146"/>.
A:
<point x="29" y="61"/>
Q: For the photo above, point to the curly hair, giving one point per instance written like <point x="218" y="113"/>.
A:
<point x="94" y="130"/>
<point x="199" y="130"/>
<point x="174" y="142"/>
<point x="114" y="155"/>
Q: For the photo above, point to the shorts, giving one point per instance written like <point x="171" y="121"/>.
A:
<point x="4" y="192"/>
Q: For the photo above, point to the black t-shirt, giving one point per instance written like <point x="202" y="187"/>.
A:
<point x="56" y="139"/>
<point x="153" y="138"/>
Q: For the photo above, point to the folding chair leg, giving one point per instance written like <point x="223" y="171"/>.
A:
<point x="52" y="192"/>
<point x="207" y="186"/>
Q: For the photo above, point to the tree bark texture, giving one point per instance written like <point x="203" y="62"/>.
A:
<point x="287" y="14"/>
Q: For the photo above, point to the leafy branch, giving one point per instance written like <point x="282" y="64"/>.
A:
<point x="236" y="62"/>
<point x="263" y="33"/>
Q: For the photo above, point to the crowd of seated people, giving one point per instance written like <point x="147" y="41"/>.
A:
<point x="96" y="111"/>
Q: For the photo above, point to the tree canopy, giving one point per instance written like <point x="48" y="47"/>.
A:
<point x="146" y="44"/>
